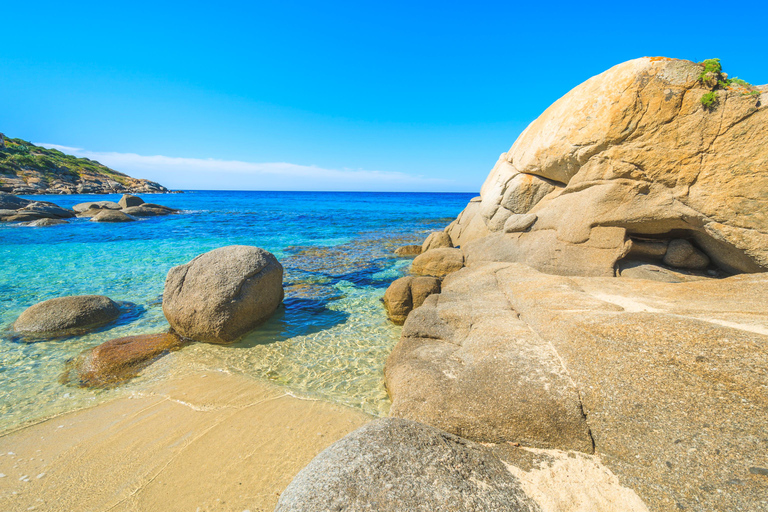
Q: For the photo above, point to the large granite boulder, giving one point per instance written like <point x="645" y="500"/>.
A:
<point x="392" y="465"/>
<point x="634" y="150"/>
<point x="63" y="316"/>
<point x="118" y="360"/>
<point x="129" y="200"/>
<point x="437" y="240"/>
<point x="222" y="294"/>
<point x="408" y="293"/>
<point x="438" y="262"/>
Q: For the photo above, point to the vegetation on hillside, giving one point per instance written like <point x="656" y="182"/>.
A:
<point x="713" y="77"/>
<point x="19" y="155"/>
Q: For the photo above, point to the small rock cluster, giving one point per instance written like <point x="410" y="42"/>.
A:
<point x="41" y="213"/>
<point x="216" y="298"/>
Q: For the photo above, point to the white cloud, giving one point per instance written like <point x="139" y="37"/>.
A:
<point x="63" y="149"/>
<point x="213" y="174"/>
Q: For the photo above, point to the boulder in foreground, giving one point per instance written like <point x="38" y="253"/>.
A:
<point x="63" y="316"/>
<point x="408" y="293"/>
<point x="391" y="465"/>
<point x="118" y="360"/>
<point x="222" y="294"/>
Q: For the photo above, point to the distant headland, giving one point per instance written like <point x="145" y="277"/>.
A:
<point x="29" y="169"/>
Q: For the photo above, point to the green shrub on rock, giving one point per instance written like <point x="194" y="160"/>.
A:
<point x="709" y="100"/>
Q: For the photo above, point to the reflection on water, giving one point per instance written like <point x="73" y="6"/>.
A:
<point x="329" y="339"/>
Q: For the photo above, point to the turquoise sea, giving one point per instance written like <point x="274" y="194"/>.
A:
<point x="329" y="339"/>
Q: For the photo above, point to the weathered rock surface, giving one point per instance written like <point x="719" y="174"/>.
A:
<point x="129" y="200"/>
<point x="631" y="149"/>
<point x="16" y="209"/>
<point x="638" y="269"/>
<point x="408" y="251"/>
<point x="66" y="315"/>
<point x="118" y="360"/>
<point x="518" y="222"/>
<point x="222" y="294"/>
<point x="42" y="223"/>
<point x="406" y="294"/>
<point x="672" y="378"/>
<point x="682" y="254"/>
<point x="468" y="365"/>
<point x="395" y="465"/>
<point x="111" y="216"/>
<point x="148" y="210"/>
<point x="438" y="262"/>
<point x="437" y="240"/>
<point x="11" y="202"/>
<point x="109" y="205"/>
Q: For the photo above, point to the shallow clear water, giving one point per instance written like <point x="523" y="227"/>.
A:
<point x="330" y="338"/>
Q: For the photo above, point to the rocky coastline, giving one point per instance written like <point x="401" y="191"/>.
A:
<point x="27" y="169"/>
<point x="590" y="334"/>
<point x="605" y="296"/>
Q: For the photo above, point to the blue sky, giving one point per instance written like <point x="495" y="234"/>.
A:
<point x="327" y="95"/>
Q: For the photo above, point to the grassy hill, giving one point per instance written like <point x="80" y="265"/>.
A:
<point x="28" y="169"/>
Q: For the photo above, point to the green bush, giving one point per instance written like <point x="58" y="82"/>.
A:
<point x="709" y="100"/>
<point x="711" y="66"/>
<point x="738" y="81"/>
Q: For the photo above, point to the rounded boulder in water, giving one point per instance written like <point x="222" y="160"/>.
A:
<point x="223" y="294"/>
<point x="63" y="315"/>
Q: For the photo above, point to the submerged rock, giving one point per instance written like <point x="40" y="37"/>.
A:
<point x="391" y="465"/>
<point x="406" y="294"/>
<point x="63" y="316"/>
<point x="438" y="262"/>
<point x="118" y="360"/>
<point x="222" y="294"/>
<point x="41" y="223"/>
<point x="408" y="251"/>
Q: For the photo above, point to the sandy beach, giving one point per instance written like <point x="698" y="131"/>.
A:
<point x="202" y="442"/>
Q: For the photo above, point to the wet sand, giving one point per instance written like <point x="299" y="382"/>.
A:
<point x="203" y="442"/>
